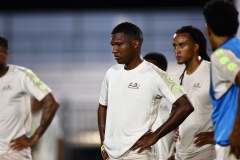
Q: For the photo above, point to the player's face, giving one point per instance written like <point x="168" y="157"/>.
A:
<point x="183" y="47"/>
<point x="122" y="48"/>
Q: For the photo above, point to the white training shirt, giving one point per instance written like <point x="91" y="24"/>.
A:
<point x="132" y="98"/>
<point x="16" y="86"/>
<point x="163" y="144"/>
<point x="223" y="78"/>
<point x="197" y="87"/>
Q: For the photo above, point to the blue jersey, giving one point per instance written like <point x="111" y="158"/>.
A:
<point x="226" y="107"/>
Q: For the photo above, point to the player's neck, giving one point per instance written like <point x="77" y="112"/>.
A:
<point x="133" y="64"/>
<point x="3" y="70"/>
<point x="192" y="67"/>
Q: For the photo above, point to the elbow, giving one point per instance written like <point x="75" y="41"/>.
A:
<point x="53" y="105"/>
<point x="190" y="109"/>
<point x="56" y="105"/>
<point x="189" y="106"/>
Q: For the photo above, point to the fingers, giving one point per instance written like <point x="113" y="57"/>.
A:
<point x="176" y="136"/>
<point x="204" y="138"/>
<point x="235" y="151"/>
<point x="136" y="146"/>
<point x="105" y="155"/>
<point x="20" y="143"/>
<point x="139" y="146"/>
<point x="200" y="143"/>
<point x="18" y="146"/>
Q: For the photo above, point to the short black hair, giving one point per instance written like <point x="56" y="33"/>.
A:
<point x="129" y="28"/>
<point x="222" y="17"/>
<point x="159" y="58"/>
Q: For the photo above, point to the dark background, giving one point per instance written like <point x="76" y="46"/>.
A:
<point x="34" y="5"/>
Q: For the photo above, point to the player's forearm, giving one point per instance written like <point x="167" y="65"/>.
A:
<point x="49" y="110"/>
<point x="236" y="130"/>
<point x="183" y="108"/>
<point x="102" y="112"/>
<point x="237" y="79"/>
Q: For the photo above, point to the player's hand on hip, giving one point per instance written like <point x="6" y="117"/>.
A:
<point x="21" y="142"/>
<point x="145" y="141"/>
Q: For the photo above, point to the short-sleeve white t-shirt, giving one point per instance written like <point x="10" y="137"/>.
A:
<point x="224" y="76"/>
<point x="132" y="98"/>
<point x="197" y="87"/>
<point x="16" y="88"/>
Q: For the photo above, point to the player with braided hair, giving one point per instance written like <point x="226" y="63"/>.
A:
<point x="194" y="137"/>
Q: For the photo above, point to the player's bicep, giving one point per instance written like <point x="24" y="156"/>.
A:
<point x="237" y="79"/>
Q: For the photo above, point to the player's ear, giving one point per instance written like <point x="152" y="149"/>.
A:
<point x="7" y="53"/>
<point x="208" y="29"/>
<point x="196" y="47"/>
<point x="136" y="43"/>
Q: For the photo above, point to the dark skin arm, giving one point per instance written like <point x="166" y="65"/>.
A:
<point x="201" y="138"/>
<point x="60" y="149"/>
<point x="102" y="113"/>
<point x="237" y="79"/>
<point x="235" y="135"/>
<point x="171" y="158"/>
<point x="182" y="109"/>
<point x="49" y="106"/>
<point x="204" y="138"/>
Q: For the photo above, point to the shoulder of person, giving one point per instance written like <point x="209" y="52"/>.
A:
<point x="22" y="69"/>
<point x="222" y="52"/>
<point x="222" y="55"/>
<point x="115" y="67"/>
<point x="206" y="64"/>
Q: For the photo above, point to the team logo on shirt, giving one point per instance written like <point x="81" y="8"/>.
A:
<point x="7" y="87"/>
<point x="196" y="85"/>
<point x="225" y="60"/>
<point x="134" y="85"/>
<point x="176" y="88"/>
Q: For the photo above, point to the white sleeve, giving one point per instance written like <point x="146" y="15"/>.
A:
<point x="226" y="63"/>
<point x="34" y="86"/>
<point x="103" y="100"/>
<point x="167" y="87"/>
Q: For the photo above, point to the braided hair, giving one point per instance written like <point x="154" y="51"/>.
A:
<point x="197" y="36"/>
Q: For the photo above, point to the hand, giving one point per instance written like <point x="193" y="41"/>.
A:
<point x="176" y="135"/>
<point x="171" y="157"/>
<point x="235" y="142"/>
<point x="144" y="142"/>
<point x="204" y="138"/>
<point x="22" y="142"/>
<point x="105" y="155"/>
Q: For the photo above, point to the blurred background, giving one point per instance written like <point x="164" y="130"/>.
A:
<point x="66" y="44"/>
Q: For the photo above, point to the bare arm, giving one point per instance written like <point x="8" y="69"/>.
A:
<point x="237" y="79"/>
<point x="60" y="149"/>
<point x="182" y="109"/>
<point x="204" y="138"/>
<point x="102" y="113"/>
<point x="235" y="135"/>
<point x="49" y="106"/>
